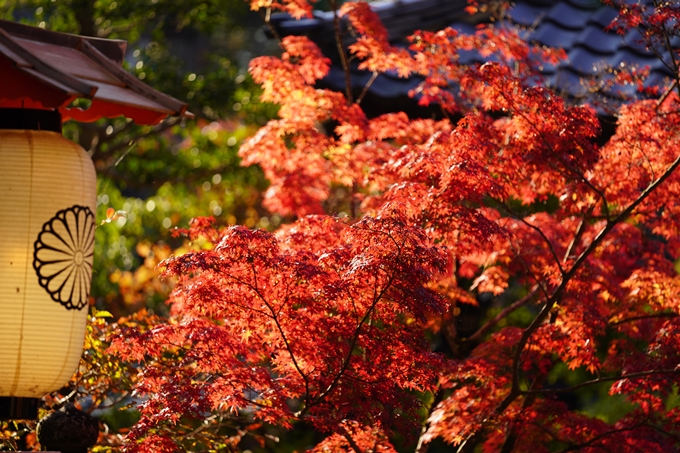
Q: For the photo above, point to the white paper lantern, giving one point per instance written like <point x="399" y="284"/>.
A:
<point x="47" y="205"/>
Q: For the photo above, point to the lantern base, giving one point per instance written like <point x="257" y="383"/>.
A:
<point x="15" y="408"/>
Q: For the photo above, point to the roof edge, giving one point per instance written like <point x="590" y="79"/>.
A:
<point x="114" y="49"/>
<point x="131" y="81"/>
<point x="84" y="89"/>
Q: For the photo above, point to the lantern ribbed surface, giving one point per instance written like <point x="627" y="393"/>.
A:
<point x="47" y="205"/>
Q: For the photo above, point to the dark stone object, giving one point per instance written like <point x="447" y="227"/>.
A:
<point x="15" y="408"/>
<point x="68" y="430"/>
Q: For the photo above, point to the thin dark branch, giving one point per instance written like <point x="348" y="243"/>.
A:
<point x="599" y="381"/>
<point x="667" y="93"/>
<point x="279" y="327"/>
<point x="422" y="445"/>
<point x="266" y="17"/>
<point x="591" y="186"/>
<point x="518" y="111"/>
<point x="165" y="125"/>
<point x="348" y="358"/>
<point x="538" y="230"/>
<point x="367" y="86"/>
<point x="502" y="314"/>
<point x="638" y="318"/>
<point x="664" y="432"/>
<point x="350" y="440"/>
<point x="528" y="270"/>
<point x="557" y="294"/>
<point x="590" y="442"/>
<point x="577" y="236"/>
<point x="341" y="51"/>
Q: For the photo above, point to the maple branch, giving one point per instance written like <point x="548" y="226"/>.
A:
<point x="266" y="17"/>
<point x="109" y="165"/>
<point x="422" y="446"/>
<point x="535" y="228"/>
<point x="667" y="93"/>
<point x="546" y="142"/>
<point x="350" y="440"/>
<point x="367" y="86"/>
<point x="669" y="47"/>
<point x="586" y="181"/>
<point x="590" y="442"/>
<point x="552" y="300"/>
<point x="341" y="51"/>
<point x="554" y="436"/>
<point x="355" y="338"/>
<point x="664" y="432"/>
<point x="577" y="236"/>
<point x="274" y="317"/>
<point x="620" y="218"/>
<point x="377" y="297"/>
<point x="108" y="138"/>
<point x="528" y="270"/>
<point x="244" y="307"/>
<point x="638" y="318"/>
<point x="599" y="381"/>
<point x="502" y="314"/>
<point x="165" y="125"/>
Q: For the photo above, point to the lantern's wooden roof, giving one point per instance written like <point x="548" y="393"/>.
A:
<point x="49" y="70"/>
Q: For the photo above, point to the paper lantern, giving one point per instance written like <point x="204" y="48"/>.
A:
<point x="47" y="223"/>
<point x="47" y="198"/>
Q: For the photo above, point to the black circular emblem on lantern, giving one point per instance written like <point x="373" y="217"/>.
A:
<point x="62" y="256"/>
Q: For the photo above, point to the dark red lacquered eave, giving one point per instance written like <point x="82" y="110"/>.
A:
<point x="48" y="70"/>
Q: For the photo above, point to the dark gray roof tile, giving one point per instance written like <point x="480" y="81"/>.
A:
<point x="526" y="15"/>
<point x="633" y="41"/>
<point x="658" y="79"/>
<point x="586" y="62"/>
<point x="596" y="39"/>
<point x="569" y="83"/>
<point x="603" y="16"/>
<point x="586" y="4"/>
<point x="551" y="35"/>
<point x="302" y="26"/>
<point x="627" y="91"/>
<point x="625" y="58"/>
<point x="568" y="16"/>
<point x="469" y="57"/>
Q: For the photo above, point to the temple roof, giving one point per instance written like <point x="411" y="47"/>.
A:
<point x="577" y="26"/>
<point x="49" y="70"/>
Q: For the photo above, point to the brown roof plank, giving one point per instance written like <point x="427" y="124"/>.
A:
<point x="4" y="50"/>
<point x="69" y="61"/>
<point x="114" y="49"/>
<point x="52" y="69"/>
<point x="136" y="85"/>
<point x="127" y="97"/>
<point x="85" y="89"/>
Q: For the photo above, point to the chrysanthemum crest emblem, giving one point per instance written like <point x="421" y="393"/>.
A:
<point x="62" y="256"/>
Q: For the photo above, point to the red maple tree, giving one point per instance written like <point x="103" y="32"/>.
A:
<point x="330" y="320"/>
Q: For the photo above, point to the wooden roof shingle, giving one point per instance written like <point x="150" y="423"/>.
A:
<point x="49" y="70"/>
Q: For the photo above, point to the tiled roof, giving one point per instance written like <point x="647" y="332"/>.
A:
<point x="48" y="70"/>
<point x="577" y="26"/>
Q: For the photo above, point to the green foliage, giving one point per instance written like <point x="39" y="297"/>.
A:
<point x="157" y="178"/>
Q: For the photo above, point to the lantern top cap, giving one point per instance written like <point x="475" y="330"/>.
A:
<point x="49" y="70"/>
